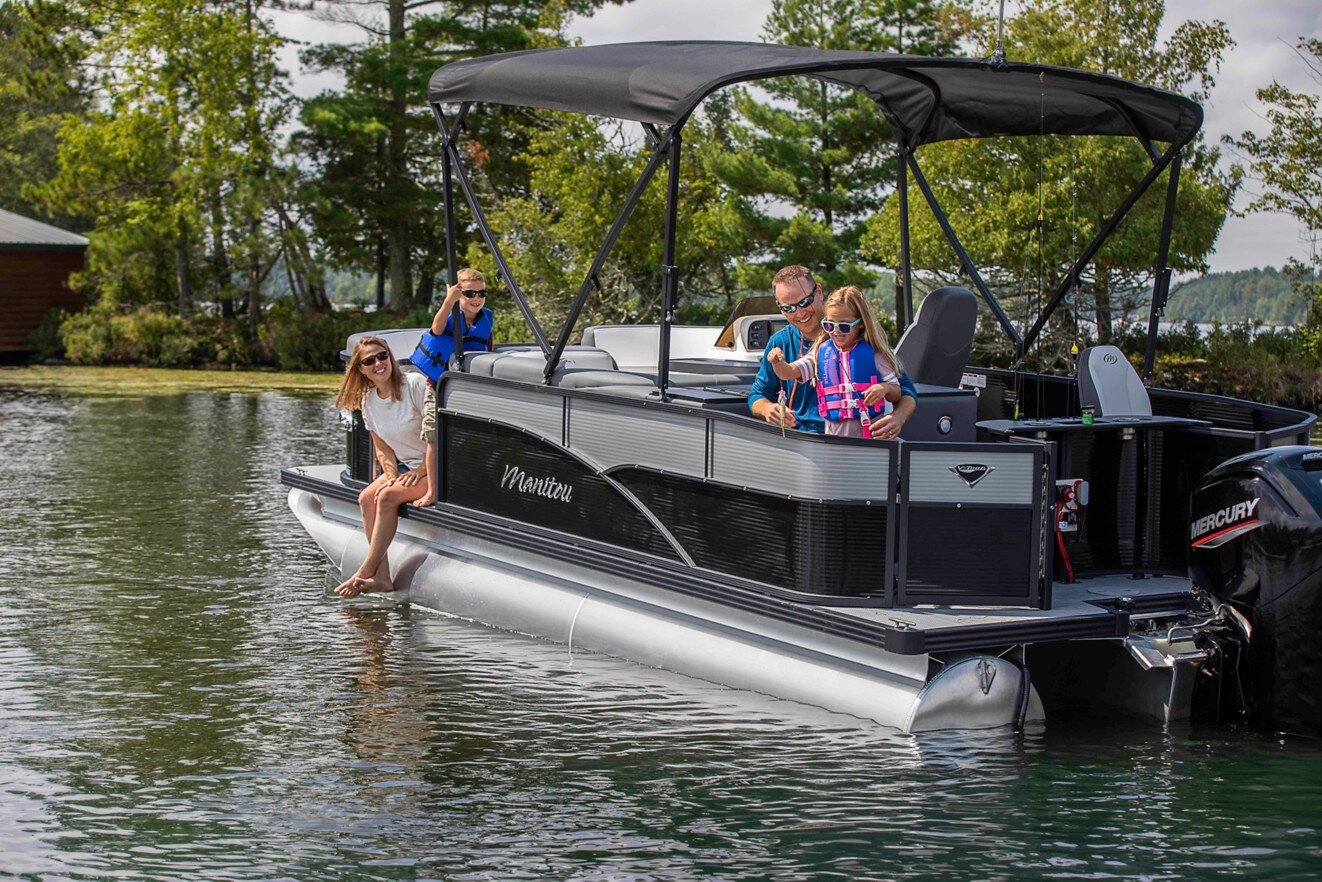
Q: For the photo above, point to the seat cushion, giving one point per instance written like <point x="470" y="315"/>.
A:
<point x="1108" y="382"/>
<point x="583" y="379"/>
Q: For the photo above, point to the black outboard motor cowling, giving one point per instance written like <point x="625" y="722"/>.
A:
<point x="1255" y="536"/>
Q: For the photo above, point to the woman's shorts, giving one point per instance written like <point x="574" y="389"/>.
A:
<point x="429" y="416"/>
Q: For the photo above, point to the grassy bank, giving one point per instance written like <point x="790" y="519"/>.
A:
<point x="140" y="381"/>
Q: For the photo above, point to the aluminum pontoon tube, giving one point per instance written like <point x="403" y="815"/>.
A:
<point x="509" y="589"/>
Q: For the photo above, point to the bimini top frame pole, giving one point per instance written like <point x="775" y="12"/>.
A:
<point x="450" y="143"/>
<point x="660" y="151"/>
<point x="1072" y="276"/>
<point x="926" y="100"/>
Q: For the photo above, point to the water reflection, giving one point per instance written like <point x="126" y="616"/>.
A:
<point x="180" y="698"/>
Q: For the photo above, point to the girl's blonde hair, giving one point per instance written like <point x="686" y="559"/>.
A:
<point x="853" y="298"/>
<point x="355" y="386"/>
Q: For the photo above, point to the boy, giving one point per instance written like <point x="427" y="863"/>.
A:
<point x="432" y="356"/>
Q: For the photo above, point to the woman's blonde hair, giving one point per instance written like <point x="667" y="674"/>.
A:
<point x="355" y="386"/>
<point x="852" y="297"/>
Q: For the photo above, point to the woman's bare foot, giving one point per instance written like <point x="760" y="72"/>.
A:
<point x="425" y="501"/>
<point x="352" y="586"/>
<point x="376" y="585"/>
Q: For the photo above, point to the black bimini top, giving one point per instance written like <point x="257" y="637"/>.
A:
<point x="926" y="99"/>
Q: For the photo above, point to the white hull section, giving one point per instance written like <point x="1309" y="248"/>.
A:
<point x="519" y="590"/>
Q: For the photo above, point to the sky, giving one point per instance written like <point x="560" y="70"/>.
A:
<point x="1264" y="30"/>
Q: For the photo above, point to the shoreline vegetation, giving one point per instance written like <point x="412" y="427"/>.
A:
<point x="1280" y="366"/>
<point x="132" y="382"/>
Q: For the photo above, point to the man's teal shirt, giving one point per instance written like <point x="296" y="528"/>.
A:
<point x="804" y="403"/>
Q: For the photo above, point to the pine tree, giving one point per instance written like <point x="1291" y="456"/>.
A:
<point x="374" y="145"/>
<point x="823" y="152"/>
<point x="995" y="189"/>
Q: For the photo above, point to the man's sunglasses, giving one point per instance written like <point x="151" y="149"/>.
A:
<point x="471" y="294"/>
<point x="831" y="327"/>
<point x="795" y="307"/>
<point x="369" y="360"/>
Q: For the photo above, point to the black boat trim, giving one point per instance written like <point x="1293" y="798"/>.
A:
<point x="773" y="603"/>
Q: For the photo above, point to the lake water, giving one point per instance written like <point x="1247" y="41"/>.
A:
<point x="181" y="699"/>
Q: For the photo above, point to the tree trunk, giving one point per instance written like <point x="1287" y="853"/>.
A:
<point x="397" y="232"/>
<point x="183" y="275"/>
<point x="380" y="275"/>
<point x="255" y="276"/>
<point x="1102" y="296"/>
<point x="426" y="285"/>
<point x="220" y="261"/>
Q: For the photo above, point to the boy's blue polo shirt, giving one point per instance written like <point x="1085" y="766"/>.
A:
<point x="804" y="403"/>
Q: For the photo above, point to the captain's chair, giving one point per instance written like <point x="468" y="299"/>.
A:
<point x="1108" y="382"/>
<point x="935" y="348"/>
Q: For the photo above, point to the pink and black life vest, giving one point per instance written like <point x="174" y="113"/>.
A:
<point x="841" y="380"/>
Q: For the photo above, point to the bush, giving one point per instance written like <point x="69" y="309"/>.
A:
<point x="299" y="341"/>
<point x="302" y="341"/>
<point x="45" y="337"/>
<point x="149" y="336"/>
<point x="87" y="336"/>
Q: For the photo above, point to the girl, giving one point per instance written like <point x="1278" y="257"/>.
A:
<point x="852" y="365"/>
<point x="392" y="406"/>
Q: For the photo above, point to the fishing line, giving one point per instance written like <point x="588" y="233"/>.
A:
<point x="1041" y="217"/>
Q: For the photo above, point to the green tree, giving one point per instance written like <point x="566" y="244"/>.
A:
<point x="1287" y="162"/>
<point x="182" y="140"/>
<point x="1026" y="207"/>
<point x="580" y="174"/>
<point x="40" y="85"/>
<point x="823" y="151"/>
<point x="376" y="142"/>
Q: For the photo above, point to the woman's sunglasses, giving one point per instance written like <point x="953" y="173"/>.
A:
<point x="369" y="360"/>
<point x="831" y="327"/>
<point x="795" y="307"/>
<point x="471" y="294"/>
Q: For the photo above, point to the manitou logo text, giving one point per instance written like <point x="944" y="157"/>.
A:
<point x="1237" y="515"/>
<point x="972" y="472"/>
<point x="516" y="479"/>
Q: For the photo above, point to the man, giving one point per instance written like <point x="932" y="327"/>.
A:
<point x="437" y="345"/>
<point x="800" y="300"/>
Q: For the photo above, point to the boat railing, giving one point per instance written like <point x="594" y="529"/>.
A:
<point x="838" y="520"/>
<point x="1141" y="472"/>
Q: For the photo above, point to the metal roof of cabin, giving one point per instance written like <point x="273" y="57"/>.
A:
<point x="926" y="99"/>
<point x="18" y="232"/>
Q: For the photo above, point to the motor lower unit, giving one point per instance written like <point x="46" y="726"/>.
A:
<point x="1255" y="544"/>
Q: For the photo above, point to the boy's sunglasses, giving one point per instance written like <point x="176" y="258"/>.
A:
<point x="831" y="327"/>
<point x="369" y="360"/>
<point x="795" y="307"/>
<point x="471" y="294"/>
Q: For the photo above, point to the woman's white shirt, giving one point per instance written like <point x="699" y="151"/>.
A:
<point x="399" y="423"/>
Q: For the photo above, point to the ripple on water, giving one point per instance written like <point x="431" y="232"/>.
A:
<point x="181" y="699"/>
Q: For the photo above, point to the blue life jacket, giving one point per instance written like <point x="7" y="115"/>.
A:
<point x="432" y="356"/>
<point x="837" y="400"/>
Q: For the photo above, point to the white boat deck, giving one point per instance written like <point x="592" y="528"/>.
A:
<point x="1072" y="600"/>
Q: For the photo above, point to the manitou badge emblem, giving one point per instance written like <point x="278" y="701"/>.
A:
<point x="549" y="488"/>
<point x="972" y="472"/>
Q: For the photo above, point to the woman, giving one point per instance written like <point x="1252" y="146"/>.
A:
<point x="392" y="406"/>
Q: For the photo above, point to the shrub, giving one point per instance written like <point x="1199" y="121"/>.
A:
<point x="106" y="334"/>
<point x="312" y="341"/>
<point x="45" y="337"/>
<point x="87" y="335"/>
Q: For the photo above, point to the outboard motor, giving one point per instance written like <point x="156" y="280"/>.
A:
<point x="1255" y="543"/>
